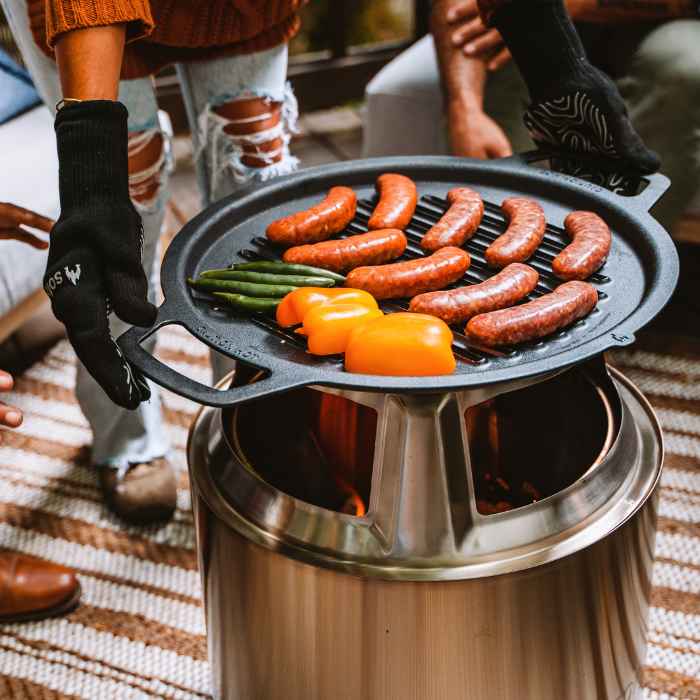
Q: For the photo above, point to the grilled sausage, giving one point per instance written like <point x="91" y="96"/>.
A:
<point x="506" y="288"/>
<point x="535" y="319"/>
<point x="588" y="250"/>
<point x="459" y="222"/>
<point x="406" y="279"/>
<point x="342" y="256"/>
<point x="525" y="232"/>
<point x="398" y="197"/>
<point x="332" y="215"/>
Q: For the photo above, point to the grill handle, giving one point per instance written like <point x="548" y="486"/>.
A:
<point x="657" y="184"/>
<point x="161" y="374"/>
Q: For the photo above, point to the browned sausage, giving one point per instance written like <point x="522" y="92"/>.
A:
<point x="331" y="216"/>
<point x="459" y="222"/>
<point x="342" y="256"/>
<point x="525" y="232"/>
<point x="536" y="318"/>
<point x="406" y="279"/>
<point x="398" y="197"/>
<point x="589" y="249"/>
<point x="506" y="288"/>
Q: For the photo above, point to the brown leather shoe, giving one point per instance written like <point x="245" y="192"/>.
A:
<point x="140" y="493"/>
<point x="32" y="589"/>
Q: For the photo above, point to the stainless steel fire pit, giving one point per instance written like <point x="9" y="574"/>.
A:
<point x="487" y="534"/>
<point x="424" y="597"/>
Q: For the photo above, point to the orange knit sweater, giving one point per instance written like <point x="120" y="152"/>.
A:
<point x="160" y="32"/>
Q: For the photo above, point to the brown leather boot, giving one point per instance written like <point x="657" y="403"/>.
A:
<point x="32" y="589"/>
<point x="140" y="493"/>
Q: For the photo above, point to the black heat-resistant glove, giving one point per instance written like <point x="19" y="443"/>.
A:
<point x="575" y="106"/>
<point x="96" y="245"/>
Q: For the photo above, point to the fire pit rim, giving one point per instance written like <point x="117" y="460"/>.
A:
<point x="622" y="504"/>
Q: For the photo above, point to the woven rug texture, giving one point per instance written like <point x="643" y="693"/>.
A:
<point x="138" y="632"/>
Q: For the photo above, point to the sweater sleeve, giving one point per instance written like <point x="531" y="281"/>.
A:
<point x="64" y="15"/>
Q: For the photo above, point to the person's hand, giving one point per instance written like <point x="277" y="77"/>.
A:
<point x="473" y="134"/>
<point x="475" y="38"/>
<point x="13" y="218"/>
<point x="94" y="263"/>
<point x="9" y="416"/>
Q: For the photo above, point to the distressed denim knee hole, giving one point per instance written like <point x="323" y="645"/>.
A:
<point x="227" y="152"/>
<point x="144" y="196"/>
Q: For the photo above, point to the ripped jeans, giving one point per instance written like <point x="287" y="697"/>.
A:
<point x="238" y="140"/>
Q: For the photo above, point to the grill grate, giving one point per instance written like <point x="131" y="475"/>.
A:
<point x="643" y="270"/>
<point x="428" y="212"/>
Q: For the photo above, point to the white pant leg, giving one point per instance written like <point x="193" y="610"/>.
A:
<point x="42" y="69"/>
<point x="219" y="170"/>
<point x="404" y="109"/>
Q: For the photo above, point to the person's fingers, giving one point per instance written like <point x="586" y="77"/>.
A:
<point x="485" y="43"/>
<point x="6" y="381"/>
<point x="10" y="416"/>
<point x="499" y="60"/>
<point x="467" y="32"/>
<point x="16" y="233"/>
<point x="462" y="11"/>
<point x="12" y="215"/>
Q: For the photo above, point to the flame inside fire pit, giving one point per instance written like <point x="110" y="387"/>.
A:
<point x="344" y="437"/>
<point x="524" y="446"/>
<point x="314" y="446"/>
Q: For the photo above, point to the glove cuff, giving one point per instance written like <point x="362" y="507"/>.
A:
<point x="92" y="142"/>
<point x="545" y="46"/>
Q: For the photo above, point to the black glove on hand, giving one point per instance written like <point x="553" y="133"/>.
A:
<point x="97" y="244"/>
<point x="574" y="105"/>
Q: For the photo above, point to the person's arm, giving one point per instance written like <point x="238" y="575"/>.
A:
<point x="472" y="133"/>
<point x="89" y="61"/>
<point x="94" y="262"/>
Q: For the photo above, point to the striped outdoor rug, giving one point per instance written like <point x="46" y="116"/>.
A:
<point x="138" y="633"/>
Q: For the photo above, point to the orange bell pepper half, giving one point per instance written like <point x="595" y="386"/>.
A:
<point x="401" y="345"/>
<point x="294" y="307"/>
<point x="329" y="326"/>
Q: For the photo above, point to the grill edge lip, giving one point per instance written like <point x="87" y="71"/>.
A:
<point x="653" y="246"/>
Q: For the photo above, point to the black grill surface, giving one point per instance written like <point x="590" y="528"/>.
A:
<point x="633" y="285"/>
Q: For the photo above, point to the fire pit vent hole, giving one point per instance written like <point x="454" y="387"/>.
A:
<point x="313" y="446"/>
<point x="529" y="444"/>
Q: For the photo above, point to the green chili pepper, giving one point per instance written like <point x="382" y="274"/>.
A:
<point x="261" y="278"/>
<point x="246" y="288"/>
<point x="250" y="304"/>
<point x="282" y="268"/>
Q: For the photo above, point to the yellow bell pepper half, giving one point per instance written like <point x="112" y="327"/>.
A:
<point x="401" y="345"/>
<point x="294" y="307"/>
<point x="329" y="326"/>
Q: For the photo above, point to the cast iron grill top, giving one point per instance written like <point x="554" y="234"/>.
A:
<point x="633" y="285"/>
<point x="428" y="212"/>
